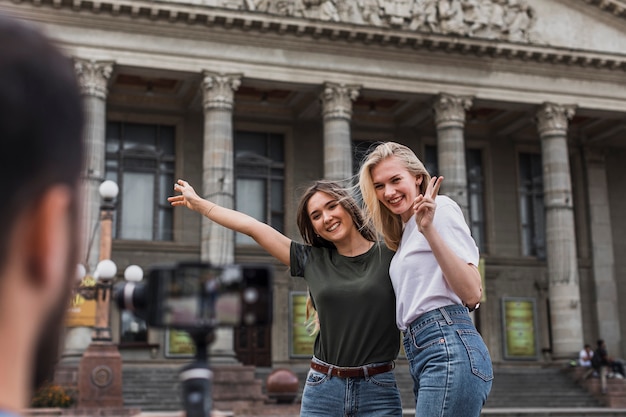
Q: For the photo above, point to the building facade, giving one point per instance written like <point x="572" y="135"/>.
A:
<point x="519" y="104"/>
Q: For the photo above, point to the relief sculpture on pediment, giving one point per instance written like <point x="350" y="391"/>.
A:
<point x="509" y="20"/>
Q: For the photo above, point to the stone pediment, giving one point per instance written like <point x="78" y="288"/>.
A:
<point x="574" y="32"/>
<point x="510" y="20"/>
<point x="520" y="21"/>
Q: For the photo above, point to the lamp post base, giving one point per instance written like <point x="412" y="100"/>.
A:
<point x="100" y="377"/>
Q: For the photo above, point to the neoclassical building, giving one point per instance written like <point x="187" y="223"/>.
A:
<point x="520" y="104"/>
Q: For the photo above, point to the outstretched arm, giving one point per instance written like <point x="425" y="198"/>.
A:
<point x="274" y="242"/>
<point x="463" y="278"/>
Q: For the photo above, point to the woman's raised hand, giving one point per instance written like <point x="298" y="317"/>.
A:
<point x="424" y="204"/>
<point x="188" y="197"/>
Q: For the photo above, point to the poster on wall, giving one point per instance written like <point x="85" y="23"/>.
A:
<point x="301" y="343"/>
<point x="519" y="328"/>
<point x="82" y="312"/>
<point x="178" y="344"/>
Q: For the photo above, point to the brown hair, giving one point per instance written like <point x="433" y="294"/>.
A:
<point x="384" y="221"/>
<point x="309" y="236"/>
<point x="348" y="202"/>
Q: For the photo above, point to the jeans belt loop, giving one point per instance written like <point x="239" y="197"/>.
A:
<point x="366" y="375"/>
<point x="329" y="373"/>
<point x="446" y="316"/>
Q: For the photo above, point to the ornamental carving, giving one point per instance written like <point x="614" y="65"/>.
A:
<point x="337" y="100"/>
<point x="552" y="119"/>
<point x="102" y="376"/>
<point x="93" y="76"/>
<point x="450" y="110"/>
<point x="219" y="90"/>
<point x="511" y="20"/>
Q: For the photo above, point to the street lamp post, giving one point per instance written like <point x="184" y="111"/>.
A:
<point x="100" y="368"/>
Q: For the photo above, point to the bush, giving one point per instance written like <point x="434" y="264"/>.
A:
<point x="52" y="396"/>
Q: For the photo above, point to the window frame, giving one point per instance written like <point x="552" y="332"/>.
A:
<point x="120" y="156"/>
<point x="266" y="171"/>
<point x="531" y="247"/>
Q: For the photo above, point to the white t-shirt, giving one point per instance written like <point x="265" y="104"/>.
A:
<point x="416" y="276"/>
<point x="581" y="358"/>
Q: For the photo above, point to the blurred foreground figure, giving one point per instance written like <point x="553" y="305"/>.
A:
<point x="40" y="164"/>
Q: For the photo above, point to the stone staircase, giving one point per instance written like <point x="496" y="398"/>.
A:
<point x="518" y="387"/>
<point x="517" y="391"/>
<point x="615" y="396"/>
<point x="525" y="387"/>
<point x="152" y="387"/>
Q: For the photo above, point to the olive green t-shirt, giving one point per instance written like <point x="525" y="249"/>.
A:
<point x="355" y="303"/>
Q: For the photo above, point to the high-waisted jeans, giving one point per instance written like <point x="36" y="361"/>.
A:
<point x="449" y="362"/>
<point x="330" y="396"/>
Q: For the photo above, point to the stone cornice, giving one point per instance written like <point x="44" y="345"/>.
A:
<point x="615" y="7"/>
<point x="264" y="23"/>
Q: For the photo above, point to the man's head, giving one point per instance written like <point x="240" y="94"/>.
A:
<point x="41" y="155"/>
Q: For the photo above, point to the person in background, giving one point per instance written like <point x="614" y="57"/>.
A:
<point x="436" y="281"/>
<point x="584" y="360"/>
<point x="347" y="271"/>
<point x="584" y="357"/>
<point x="41" y="156"/>
<point x="605" y="365"/>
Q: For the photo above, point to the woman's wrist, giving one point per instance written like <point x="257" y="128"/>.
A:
<point x="208" y="211"/>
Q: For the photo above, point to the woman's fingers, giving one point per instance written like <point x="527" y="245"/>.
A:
<point x="436" y="186"/>
<point x="433" y="187"/>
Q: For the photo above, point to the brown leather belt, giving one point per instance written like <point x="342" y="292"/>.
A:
<point x="352" y="372"/>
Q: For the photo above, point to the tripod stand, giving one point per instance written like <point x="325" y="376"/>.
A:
<point x="196" y="378"/>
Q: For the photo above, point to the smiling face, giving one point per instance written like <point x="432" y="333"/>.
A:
<point x="395" y="186"/>
<point x="330" y="220"/>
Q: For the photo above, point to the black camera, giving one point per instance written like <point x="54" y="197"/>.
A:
<point x="196" y="296"/>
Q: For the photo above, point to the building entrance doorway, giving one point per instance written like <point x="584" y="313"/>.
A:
<point x="253" y="345"/>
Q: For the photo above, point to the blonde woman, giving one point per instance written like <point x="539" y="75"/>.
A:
<point x="435" y="278"/>
<point x="347" y="272"/>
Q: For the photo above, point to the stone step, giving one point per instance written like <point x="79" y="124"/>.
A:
<point x="158" y="389"/>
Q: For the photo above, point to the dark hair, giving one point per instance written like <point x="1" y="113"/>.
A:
<point x="41" y="120"/>
<point x="339" y="193"/>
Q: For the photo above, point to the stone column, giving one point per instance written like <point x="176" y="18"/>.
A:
<point x="564" y="291"/>
<point x="450" y="123"/>
<point x="93" y="77"/>
<point x="218" y="243"/>
<point x="337" y="111"/>
<point x="602" y="250"/>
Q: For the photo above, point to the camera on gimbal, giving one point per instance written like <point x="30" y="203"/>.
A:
<point x="199" y="297"/>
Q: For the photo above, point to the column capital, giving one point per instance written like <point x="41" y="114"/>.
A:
<point x="93" y="76"/>
<point x="218" y="90"/>
<point x="450" y="110"/>
<point x="552" y="119"/>
<point x="337" y="100"/>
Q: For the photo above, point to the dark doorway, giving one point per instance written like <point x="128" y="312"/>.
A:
<point x="253" y="345"/>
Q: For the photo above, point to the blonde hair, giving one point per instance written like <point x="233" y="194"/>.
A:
<point x="385" y="222"/>
<point x="312" y="321"/>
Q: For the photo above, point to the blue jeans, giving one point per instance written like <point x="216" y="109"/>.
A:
<point x="449" y="362"/>
<point x="330" y="396"/>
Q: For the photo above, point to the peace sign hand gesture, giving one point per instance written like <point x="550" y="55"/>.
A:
<point x="424" y="204"/>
